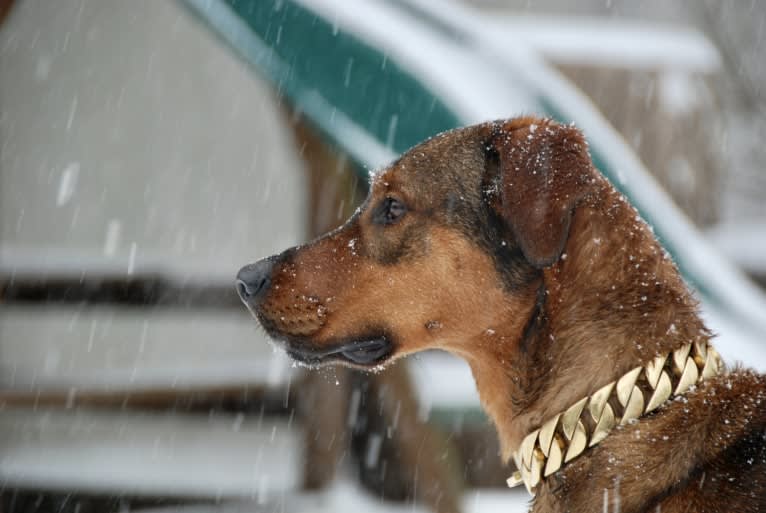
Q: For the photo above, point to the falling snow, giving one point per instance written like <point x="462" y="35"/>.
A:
<point x="142" y="161"/>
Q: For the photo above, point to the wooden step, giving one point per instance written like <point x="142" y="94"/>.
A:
<point x="116" y="349"/>
<point x="153" y="454"/>
<point x="344" y="496"/>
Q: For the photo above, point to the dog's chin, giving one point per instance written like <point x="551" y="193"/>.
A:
<point x="363" y="353"/>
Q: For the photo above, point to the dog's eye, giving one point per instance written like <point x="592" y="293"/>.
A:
<point x="389" y="211"/>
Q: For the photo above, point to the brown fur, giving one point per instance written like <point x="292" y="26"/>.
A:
<point x="517" y="255"/>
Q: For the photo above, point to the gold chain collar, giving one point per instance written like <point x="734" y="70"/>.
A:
<point x="568" y="434"/>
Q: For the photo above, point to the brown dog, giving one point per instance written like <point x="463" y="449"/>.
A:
<point x="502" y="244"/>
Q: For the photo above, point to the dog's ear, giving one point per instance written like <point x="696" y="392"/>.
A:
<point x="542" y="170"/>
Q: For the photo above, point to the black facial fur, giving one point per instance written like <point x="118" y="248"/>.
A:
<point x="473" y="214"/>
<point x="408" y="244"/>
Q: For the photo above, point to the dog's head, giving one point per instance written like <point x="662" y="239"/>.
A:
<point x="446" y="252"/>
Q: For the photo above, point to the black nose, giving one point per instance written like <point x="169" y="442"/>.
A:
<point x="254" y="280"/>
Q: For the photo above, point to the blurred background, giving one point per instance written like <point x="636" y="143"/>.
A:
<point x="149" y="149"/>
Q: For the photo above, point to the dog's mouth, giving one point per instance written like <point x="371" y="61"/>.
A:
<point x="367" y="352"/>
<point x="294" y="331"/>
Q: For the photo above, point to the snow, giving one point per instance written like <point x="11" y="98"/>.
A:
<point x="484" y="71"/>
<point x="112" y="349"/>
<point x="66" y="262"/>
<point x="736" y="342"/>
<point x="343" y="496"/>
<point x="173" y="454"/>
<point x="112" y="239"/>
<point x="132" y="258"/>
<point x="144" y="157"/>
<point x="249" y="463"/>
<point x="742" y="242"/>
<point x="362" y="147"/>
<point x="68" y="183"/>
<point x="612" y="43"/>
<point x="414" y="45"/>
<point x="679" y="93"/>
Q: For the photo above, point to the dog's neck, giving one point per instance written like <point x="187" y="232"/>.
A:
<point x="587" y="422"/>
<point x="612" y="302"/>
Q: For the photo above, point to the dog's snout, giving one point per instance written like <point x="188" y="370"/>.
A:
<point x="254" y="280"/>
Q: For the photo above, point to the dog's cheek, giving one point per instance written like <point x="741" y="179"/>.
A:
<point x="390" y="246"/>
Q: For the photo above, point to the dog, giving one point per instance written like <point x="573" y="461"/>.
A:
<point x="501" y="243"/>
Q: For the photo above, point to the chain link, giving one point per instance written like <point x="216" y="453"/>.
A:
<point x="589" y="421"/>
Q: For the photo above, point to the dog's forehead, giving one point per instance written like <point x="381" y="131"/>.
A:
<point x="447" y="161"/>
